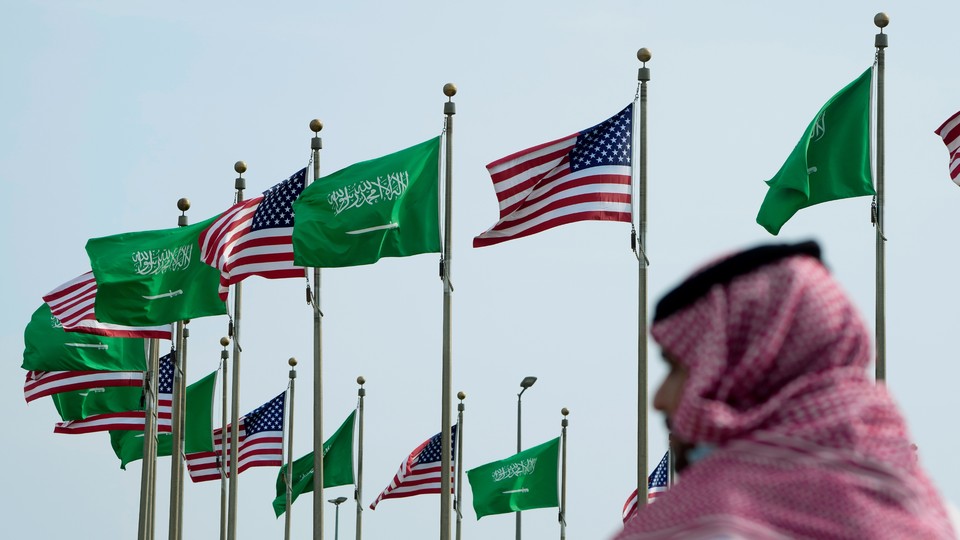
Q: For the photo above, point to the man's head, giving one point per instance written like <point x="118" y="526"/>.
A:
<point x="740" y="332"/>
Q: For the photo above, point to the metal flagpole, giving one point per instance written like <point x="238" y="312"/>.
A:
<point x="449" y="109"/>
<point x="880" y="42"/>
<point x="151" y="458"/>
<point x="643" y="76"/>
<point x="240" y="184"/>
<point x="314" y="299"/>
<point x="177" y="412"/>
<point x="224" y="355"/>
<point x="289" y="478"/>
<point x="149" y="437"/>
<point x="183" y="420"/>
<point x="358" y="485"/>
<point x="459" y="465"/>
<point x="563" y="474"/>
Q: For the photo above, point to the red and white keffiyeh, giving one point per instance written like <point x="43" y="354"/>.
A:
<point x="807" y="444"/>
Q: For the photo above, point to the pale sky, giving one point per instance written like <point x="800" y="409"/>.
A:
<point x="114" y="110"/>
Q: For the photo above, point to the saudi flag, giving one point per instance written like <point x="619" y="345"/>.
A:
<point x="385" y="207"/>
<point x="831" y="161"/>
<point x="337" y="467"/>
<point x="47" y="347"/>
<point x="198" y="427"/>
<point x="154" y="277"/>
<point x="521" y="482"/>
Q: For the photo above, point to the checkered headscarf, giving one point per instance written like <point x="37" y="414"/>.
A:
<point x="808" y="445"/>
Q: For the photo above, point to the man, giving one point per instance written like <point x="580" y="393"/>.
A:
<point x="781" y="431"/>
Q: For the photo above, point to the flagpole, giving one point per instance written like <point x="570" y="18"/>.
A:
<point x="289" y="478"/>
<point x="358" y="485"/>
<point x="563" y="474"/>
<point x="316" y="144"/>
<point x="224" y="356"/>
<point x="459" y="465"/>
<point x="643" y="76"/>
<point x="177" y="412"/>
<point x="149" y="438"/>
<point x="449" y="109"/>
<point x="234" y="332"/>
<point x="881" y="20"/>
<point x="183" y="420"/>
<point x="152" y="462"/>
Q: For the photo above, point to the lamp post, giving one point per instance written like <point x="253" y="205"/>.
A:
<point x="336" y="520"/>
<point x="527" y="382"/>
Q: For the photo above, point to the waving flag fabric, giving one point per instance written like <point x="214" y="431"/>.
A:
<point x="122" y="417"/>
<point x="337" y="467"/>
<point x="153" y="277"/>
<point x="656" y="485"/>
<point x="523" y="481"/>
<point x="420" y="473"/>
<point x="198" y="425"/>
<point x="585" y="176"/>
<point x="254" y="237"/>
<point x="46" y="383"/>
<point x="260" y="444"/>
<point x="831" y="161"/>
<point x="949" y="131"/>
<point x="384" y="207"/>
<point x="48" y="348"/>
<point x="73" y="304"/>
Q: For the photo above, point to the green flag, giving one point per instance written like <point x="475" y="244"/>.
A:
<point x="47" y="347"/>
<point x="154" y="277"/>
<point x="198" y="427"/>
<point x="337" y="467"/>
<point x="385" y="207"/>
<point x="831" y="161"/>
<point x="82" y="404"/>
<point x="198" y="422"/>
<point x="521" y="482"/>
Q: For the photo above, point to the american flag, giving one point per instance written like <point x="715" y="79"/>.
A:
<point x="46" y="383"/>
<point x="656" y="485"/>
<point x="260" y="444"/>
<point x="420" y="473"/>
<point x="72" y="304"/>
<point x="129" y="420"/>
<point x="255" y="237"/>
<point x="585" y="176"/>
<point x="950" y="133"/>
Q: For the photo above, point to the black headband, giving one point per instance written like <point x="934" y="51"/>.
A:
<point x="697" y="285"/>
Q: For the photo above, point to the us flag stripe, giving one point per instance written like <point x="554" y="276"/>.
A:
<point x="46" y="383"/>
<point x="949" y="131"/>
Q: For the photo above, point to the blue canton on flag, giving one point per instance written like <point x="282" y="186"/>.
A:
<point x="431" y="452"/>
<point x="267" y="417"/>
<point x="255" y="237"/>
<point x="657" y="482"/>
<point x="276" y="209"/>
<point x="166" y="375"/>
<point x="607" y="143"/>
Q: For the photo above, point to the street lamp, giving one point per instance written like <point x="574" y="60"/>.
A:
<point x="527" y="382"/>
<point x="336" y="520"/>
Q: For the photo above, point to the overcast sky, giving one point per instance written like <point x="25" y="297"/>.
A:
<point x="112" y="111"/>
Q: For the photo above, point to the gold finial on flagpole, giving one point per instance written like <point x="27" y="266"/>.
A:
<point x="881" y="20"/>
